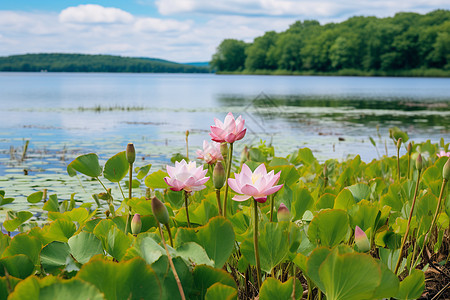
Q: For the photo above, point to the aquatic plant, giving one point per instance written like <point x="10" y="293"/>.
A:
<point x="344" y="229"/>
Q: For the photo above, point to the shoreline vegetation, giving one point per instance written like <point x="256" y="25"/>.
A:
<point x="408" y="44"/>
<point x="345" y="72"/>
<point x="62" y="62"/>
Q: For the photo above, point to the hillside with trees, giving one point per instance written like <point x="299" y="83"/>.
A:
<point x="59" y="62"/>
<point x="406" y="44"/>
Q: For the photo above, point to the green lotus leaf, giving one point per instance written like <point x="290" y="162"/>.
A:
<point x="274" y="289"/>
<point x="216" y="237"/>
<point x="289" y="174"/>
<point x="116" y="243"/>
<point x="412" y="286"/>
<point x="54" y="256"/>
<point x="24" y="244"/>
<point x="84" y="246"/>
<point x="19" y="218"/>
<point x="156" y="180"/>
<point x="50" y="288"/>
<point x="219" y="291"/>
<point x="363" y="214"/>
<point x="59" y="230"/>
<point x="4" y="201"/>
<point x="344" y="200"/>
<point x="143" y="171"/>
<point x="116" y="167"/>
<point x="273" y="244"/>
<point x="86" y="164"/>
<point x="360" y="191"/>
<point x="329" y="227"/>
<point x="35" y="197"/>
<point x="205" y="277"/>
<point x="325" y="201"/>
<point x="301" y="202"/>
<point x="132" y="279"/>
<point x="389" y="283"/>
<point x="351" y="276"/>
<point x="7" y="284"/>
<point x="51" y="204"/>
<point x="19" y="266"/>
<point x="166" y="278"/>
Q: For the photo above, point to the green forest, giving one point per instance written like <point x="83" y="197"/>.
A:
<point x="408" y="44"/>
<point x="59" y="62"/>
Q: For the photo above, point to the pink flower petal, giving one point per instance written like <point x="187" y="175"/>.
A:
<point x="249" y="190"/>
<point x="261" y="169"/>
<point x="272" y="189"/>
<point x="241" y="135"/>
<point x="234" y="186"/>
<point x="241" y="198"/>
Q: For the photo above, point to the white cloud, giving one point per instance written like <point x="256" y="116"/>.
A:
<point x="95" y="29"/>
<point x="323" y="10"/>
<point x="161" y="25"/>
<point x="92" y="13"/>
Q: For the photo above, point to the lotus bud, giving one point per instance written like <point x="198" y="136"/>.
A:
<point x="187" y="133"/>
<point x="136" y="224"/>
<point x="419" y="162"/>
<point x="111" y="208"/>
<point x="224" y="150"/>
<point x="219" y="175"/>
<point x="131" y="153"/>
<point x="446" y="170"/>
<point x="361" y="240"/>
<point x="399" y="143"/>
<point x="160" y="211"/>
<point x="245" y="155"/>
<point x="283" y="213"/>
<point x="409" y="148"/>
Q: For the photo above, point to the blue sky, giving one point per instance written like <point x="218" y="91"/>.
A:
<point x="178" y="30"/>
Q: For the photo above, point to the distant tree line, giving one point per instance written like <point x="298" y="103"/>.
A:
<point x="404" y="42"/>
<point x="58" y="62"/>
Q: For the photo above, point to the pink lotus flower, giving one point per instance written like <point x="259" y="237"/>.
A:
<point x="229" y="131"/>
<point x="256" y="184"/>
<point x="186" y="176"/>
<point x="443" y="153"/>
<point x="211" y="152"/>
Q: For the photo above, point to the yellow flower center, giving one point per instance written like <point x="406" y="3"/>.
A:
<point x="255" y="177"/>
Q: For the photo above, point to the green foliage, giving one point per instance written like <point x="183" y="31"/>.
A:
<point x="215" y="258"/>
<point x="60" y="62"/>
<point x="407" y="44"/>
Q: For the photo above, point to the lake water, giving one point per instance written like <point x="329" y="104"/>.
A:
<point x="64" y="115"/>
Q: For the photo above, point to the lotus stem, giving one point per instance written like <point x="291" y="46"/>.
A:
<point x="398" y="159"/>
<point x="187" y="144"/>
<point x="172" y="266"/>
<point x="255" y="242"/>
<point x="25" y="148"/>
<point x="186" y="196"/>
<point x="130" y="187"/>
<point x="409" y="165"/>
<point x="110" y="202"/>
<point x="438" y="208"/>
<point x="170" y="234"/>
<point x="271" y="207"/>
<point x="219" y="205"/>
<point x="409" y="223"/>
<point x="225" y="200"/>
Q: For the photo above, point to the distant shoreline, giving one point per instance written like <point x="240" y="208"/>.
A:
<point x="74" y="63"/>
<point x="431" y="73"/>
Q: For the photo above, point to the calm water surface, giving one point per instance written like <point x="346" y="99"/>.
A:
<point x="64" y="115"/>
